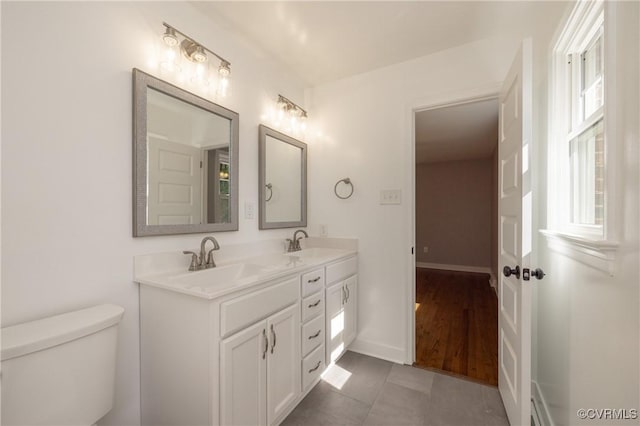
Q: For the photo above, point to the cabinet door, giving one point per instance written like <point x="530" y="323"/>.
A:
<point x="283" y="361"/>
<point x="350" y="309"/>
<point x="243" y="373"/>
<point x="334" y="301"/>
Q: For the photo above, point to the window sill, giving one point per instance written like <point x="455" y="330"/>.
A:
<point x="599" y="254"/>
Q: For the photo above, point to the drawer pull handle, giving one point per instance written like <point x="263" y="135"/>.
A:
<point x="315" y="335"/>
<point x="315" y="280"/>
<point x="316" y="367"/>
<point x="313" y="305"/>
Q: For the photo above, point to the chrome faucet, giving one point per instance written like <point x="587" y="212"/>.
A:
<point x="205" y="259"/>
<point x="294" y="244"/>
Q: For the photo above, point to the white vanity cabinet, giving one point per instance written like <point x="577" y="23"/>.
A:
<point x="341" y="311"/>
<point x="244" y="352"/>
<point x="259" y="376"/>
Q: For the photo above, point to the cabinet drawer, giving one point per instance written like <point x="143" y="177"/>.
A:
<point x="312" y="334"/>
<point x="245" y="310"/>
<point x="312" y="282"/>
<point x="312" y="306"/>
<point x="341" y="270"/>
<point x="312" y="367"/>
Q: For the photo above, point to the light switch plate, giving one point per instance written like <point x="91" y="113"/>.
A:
<point x="391" y="196"/>
<point x="249" y="210"/>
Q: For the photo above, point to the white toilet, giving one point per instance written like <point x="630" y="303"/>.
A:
<point x="60" y="370"/>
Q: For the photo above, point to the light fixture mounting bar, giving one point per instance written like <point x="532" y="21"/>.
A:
<point x="223" y="60"/>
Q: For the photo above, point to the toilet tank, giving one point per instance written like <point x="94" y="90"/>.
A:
<point x="60" y="370"/>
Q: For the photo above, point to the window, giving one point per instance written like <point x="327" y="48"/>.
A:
<point x="580" y="141"/>
<point x="580" y="186"/>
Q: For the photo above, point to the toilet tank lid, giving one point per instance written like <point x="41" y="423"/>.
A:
<point x="28" y="337"/>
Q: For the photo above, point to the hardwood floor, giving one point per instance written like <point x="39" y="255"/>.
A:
<point x="457" y="324"/>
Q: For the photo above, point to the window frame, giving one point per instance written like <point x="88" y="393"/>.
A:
<point x="596" y="243"/>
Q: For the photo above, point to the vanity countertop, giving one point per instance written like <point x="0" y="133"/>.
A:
<point x="238" y="275"/>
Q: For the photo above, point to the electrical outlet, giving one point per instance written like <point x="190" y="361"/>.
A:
<point x="425" y="249"/>
<point x="324" y="230"/>
<point x="391" y="196"/>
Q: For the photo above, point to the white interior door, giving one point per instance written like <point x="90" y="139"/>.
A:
<point x="175" y="182"/>
<point x="514" y="206"/>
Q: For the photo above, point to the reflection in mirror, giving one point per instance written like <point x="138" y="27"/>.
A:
<point x="186" y="161"/>
<point x="283" y="180"/>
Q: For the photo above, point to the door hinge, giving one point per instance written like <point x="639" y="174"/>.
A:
<point x="200" y="163"/>
<point x="411" y="250"/>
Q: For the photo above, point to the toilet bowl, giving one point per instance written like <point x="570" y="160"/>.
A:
<point x="60" y="370"/>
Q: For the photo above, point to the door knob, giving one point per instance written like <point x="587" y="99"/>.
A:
<point x="527" y="274"/>
<point x="538" y="273"/>
<point x="507" y="271"/>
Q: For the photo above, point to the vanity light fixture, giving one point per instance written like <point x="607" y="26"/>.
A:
<point x="198" y="55"/>
<point x="294" y="112"/>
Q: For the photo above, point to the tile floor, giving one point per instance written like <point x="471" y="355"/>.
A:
<point x="361" y="390"/>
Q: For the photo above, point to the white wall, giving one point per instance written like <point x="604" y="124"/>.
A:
<point x="66" y="163"/>
<point x="453" y="212"/>
<point x="588" y="322"/>
<point x="367" y="125"/>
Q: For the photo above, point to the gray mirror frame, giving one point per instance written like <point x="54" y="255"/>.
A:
<point x="141" y="81"/>
<point x="265" y="131"/>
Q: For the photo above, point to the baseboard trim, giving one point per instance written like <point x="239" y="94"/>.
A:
<point x="459" y="268"/>
<point x="493" y="281"/>
<point x="541" y="405"/>
<point x="378" y="350"/>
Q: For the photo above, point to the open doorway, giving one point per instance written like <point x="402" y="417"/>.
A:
<point x="456" y="311"/>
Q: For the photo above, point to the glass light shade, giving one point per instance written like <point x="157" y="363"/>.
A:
<point x="169" y="37"/>
<point x="169" y="62"/>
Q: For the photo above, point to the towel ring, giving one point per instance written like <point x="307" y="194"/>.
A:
<point x="270" y="188"/>
<point x="346" y="181"/>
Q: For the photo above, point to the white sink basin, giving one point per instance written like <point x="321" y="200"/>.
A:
<point x="312" y="253"/>
<point x="229" y="277"/>
<point x="220" y="275"/>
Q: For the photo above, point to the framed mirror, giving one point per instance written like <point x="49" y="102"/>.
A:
<point x="282" y="181"/>
<point x="185" y="161"/>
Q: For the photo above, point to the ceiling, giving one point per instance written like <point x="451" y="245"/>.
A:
<point x="322" y="41"/>
<point x="461" y="132"/>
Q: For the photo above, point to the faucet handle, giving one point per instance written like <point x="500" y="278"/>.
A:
<point x="194" y="260"/>
<point x="291" y="246"/>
